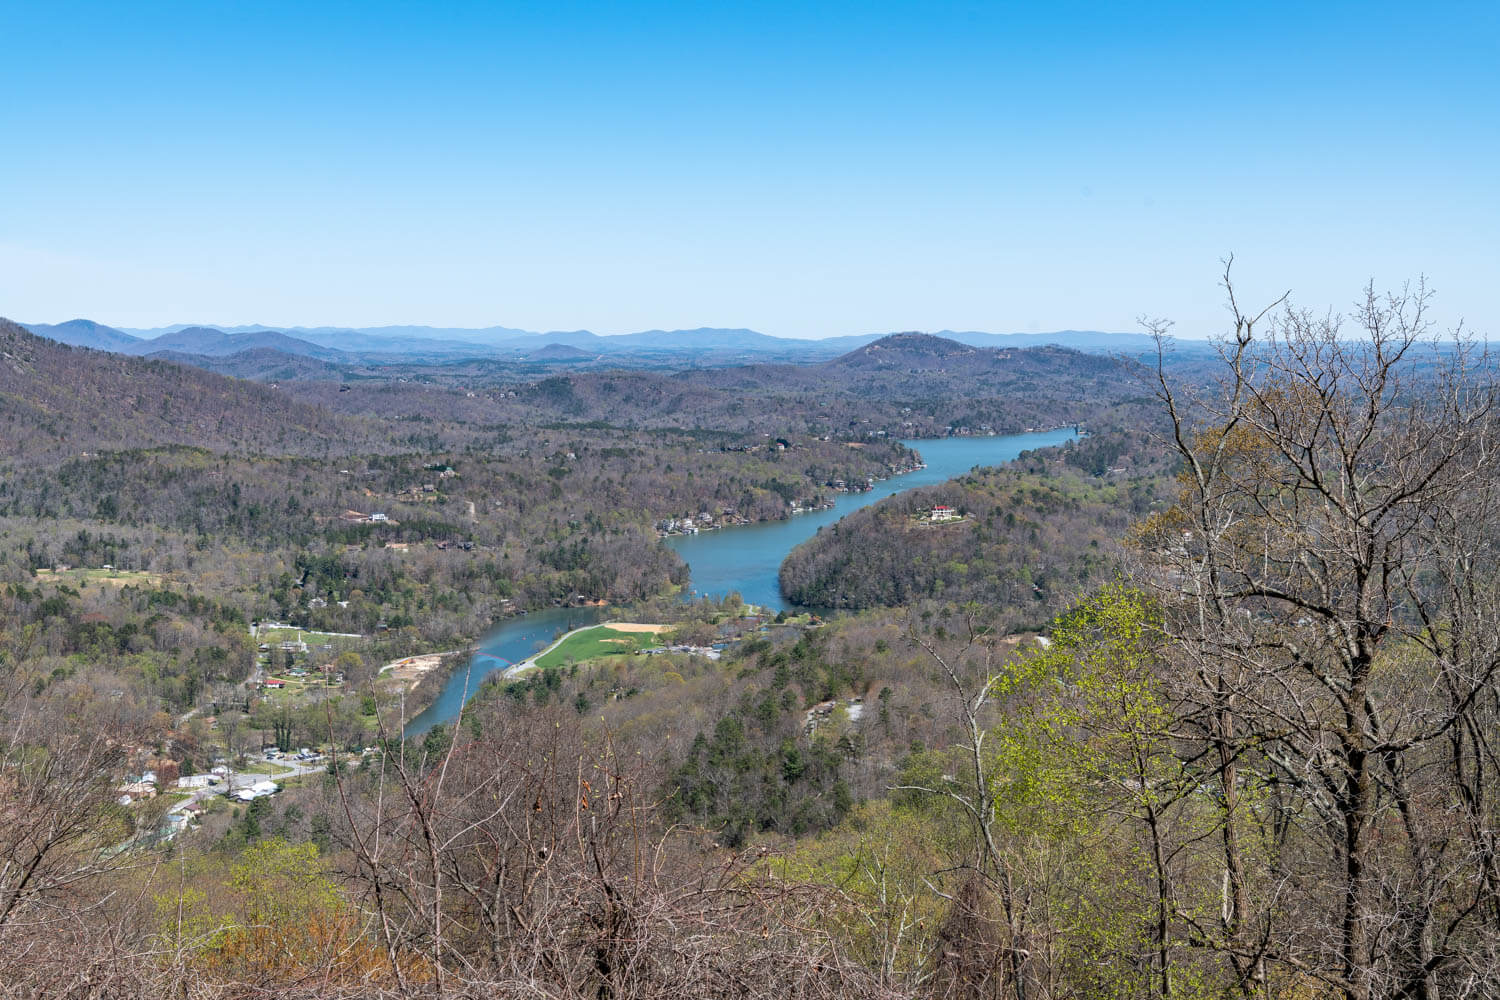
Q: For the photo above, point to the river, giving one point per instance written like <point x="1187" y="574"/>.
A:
<point x="744" y="559"/>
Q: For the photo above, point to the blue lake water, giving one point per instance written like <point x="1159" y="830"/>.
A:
<point x="745" y="559"/>
<point x="748" y="559"/>
<point x="513" y="641"/>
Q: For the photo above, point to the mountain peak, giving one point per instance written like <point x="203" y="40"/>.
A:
<point x="908" y="350"/>
<point x="560" y="352"/>
<point x="84" y="333"/>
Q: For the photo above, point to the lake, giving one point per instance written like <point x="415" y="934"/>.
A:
<point x="745" y="559"/>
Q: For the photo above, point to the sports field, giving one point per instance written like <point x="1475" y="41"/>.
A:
<point x="592" y="643"/>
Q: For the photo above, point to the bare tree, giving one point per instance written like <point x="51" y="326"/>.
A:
<point x="1329" y="579"/>
<point x="530" y="861"/>
<point x="63" y="844"/>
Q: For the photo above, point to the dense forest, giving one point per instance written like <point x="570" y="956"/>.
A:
<point x="1200" y="706"/>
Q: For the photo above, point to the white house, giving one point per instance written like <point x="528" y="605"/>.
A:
<point x="259" y="790"/>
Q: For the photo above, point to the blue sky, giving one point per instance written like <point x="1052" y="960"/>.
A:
<point x="804" y="169"/>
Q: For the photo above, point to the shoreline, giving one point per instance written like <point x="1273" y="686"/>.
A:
<point x="427" y="671"/>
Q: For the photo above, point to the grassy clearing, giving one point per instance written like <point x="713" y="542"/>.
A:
<point x="108" y="577"/>
<point x="592" y="643"/>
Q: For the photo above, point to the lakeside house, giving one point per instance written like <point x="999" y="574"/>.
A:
<point x="942" y="513"/>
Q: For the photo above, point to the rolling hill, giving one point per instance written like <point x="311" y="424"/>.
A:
<point x="560" y="353"/>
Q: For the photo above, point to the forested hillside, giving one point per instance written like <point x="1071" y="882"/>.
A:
<point x="1026" y="539"/>
<point x="261" y="364"/>
<point x="56" y="400"/>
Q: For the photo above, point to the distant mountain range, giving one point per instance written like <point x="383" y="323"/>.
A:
<point x="59" y="400"/>
<point x="417" y="344"/>
<point x="218" y="344"/>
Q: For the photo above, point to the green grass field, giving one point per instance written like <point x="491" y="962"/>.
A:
<point x="592" y="643"/>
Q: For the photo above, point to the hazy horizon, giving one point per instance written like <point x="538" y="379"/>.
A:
<point x="501" y="327"/>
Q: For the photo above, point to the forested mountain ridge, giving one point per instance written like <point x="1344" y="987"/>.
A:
<point x="85" y="333"/>
<point x="902" y="385"/>
<point x="60" y="399"/>
<point x="215" y="343"/>
<point x="261" y="364"/>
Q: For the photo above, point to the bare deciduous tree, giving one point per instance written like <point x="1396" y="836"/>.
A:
<point x="1329" y="580"/>
<point x="530" y="861"/>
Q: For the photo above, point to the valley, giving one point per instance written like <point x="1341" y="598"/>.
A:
<point x="779" y="501"/>
<point x="777" y="608"/>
